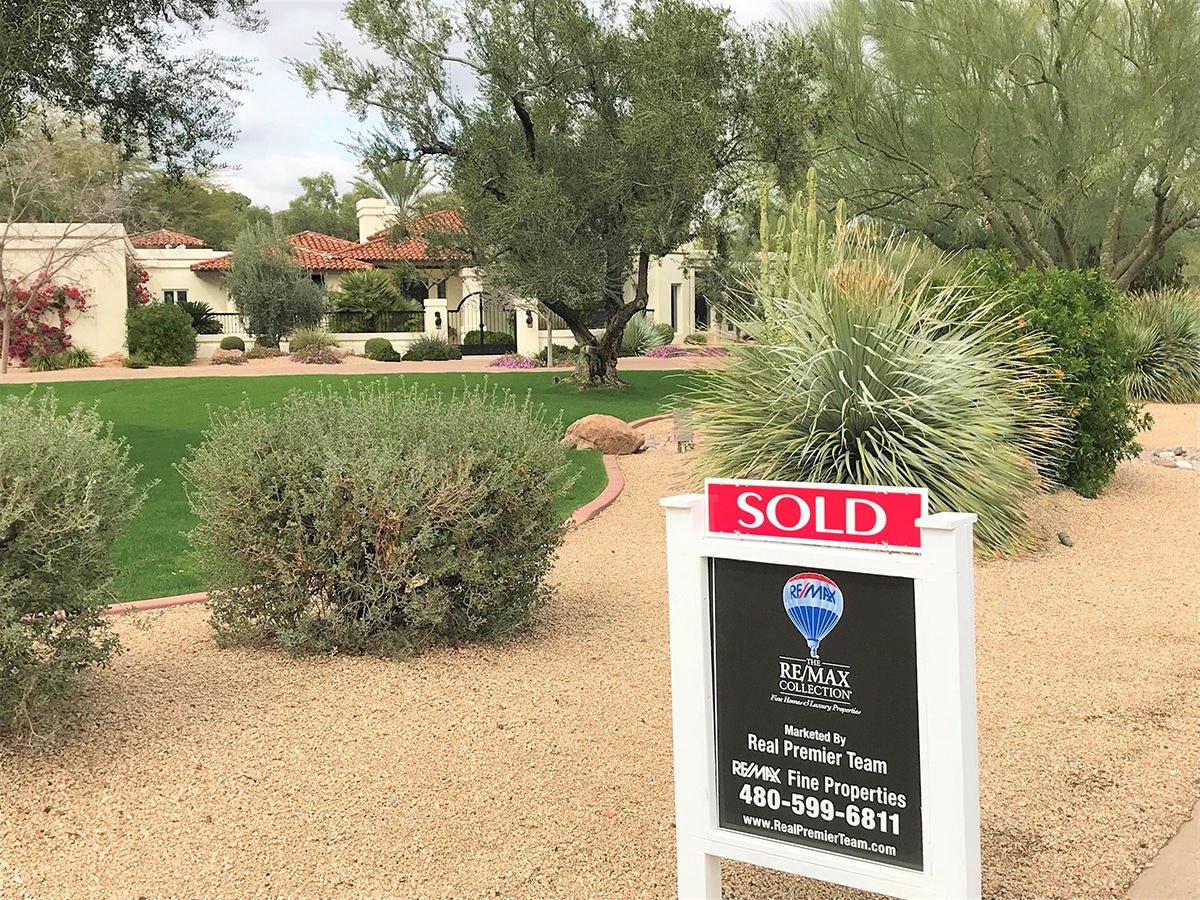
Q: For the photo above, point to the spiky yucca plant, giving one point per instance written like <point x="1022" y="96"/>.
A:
<point x="869" y="378"/>
<point x="1163" y="330"/>
<point x="641" y="336"/>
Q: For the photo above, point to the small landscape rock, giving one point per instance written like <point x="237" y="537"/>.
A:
<point x="1166" y="461"/>
<point x="607" y="434"/>
<point x="1065" y="539"/>
<point x="1178" y="451"/>
<point x="1184" y="464"/>
<point x="112" y="361"/>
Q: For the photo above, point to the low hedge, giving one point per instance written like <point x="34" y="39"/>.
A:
<point x="380" y="522"/>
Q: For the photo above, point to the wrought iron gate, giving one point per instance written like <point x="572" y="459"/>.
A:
<point x="480" y="325"/>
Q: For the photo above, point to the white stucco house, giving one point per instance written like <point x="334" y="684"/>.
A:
<point x="181" y="267"/>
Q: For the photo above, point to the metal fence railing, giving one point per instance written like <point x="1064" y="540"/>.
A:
<point x="340" y="322"/>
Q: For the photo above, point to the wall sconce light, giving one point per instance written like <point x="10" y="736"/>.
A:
<point x="437" y="320"/>
<point x="529" y="318"/>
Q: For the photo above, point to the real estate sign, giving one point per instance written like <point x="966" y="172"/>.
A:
<point x="822" y="653"/>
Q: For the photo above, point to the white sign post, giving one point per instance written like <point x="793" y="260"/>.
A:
<point x="823" y="688"/>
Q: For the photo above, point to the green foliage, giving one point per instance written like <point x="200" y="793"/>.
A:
<point x="696" y="337"/>
<point x="1079" y="312"/>
<point x="1163" y="331"/>
<point x="380" y="349"/>
<point x="371" y="296"/>
<point x="489" y="337"/>
<point x="432" y="348"/>
<point x="233" y="342"/>
<point x="876" y="380"/>
<point x="192" y="205"/>
<point x="74" y="358"/>
<point x="272" y="292"/>
<point x="161" y="333"/>
<point x="381" y="523"/>
<point x="563" y="356"/>
<point x="1024" y="125"/>
<point x="203" y="320"/>
<point x="642" y="335"/>
<point x="258" y="351"/>
<point x="590" y="135"/>
<point x="119" y="64"/>
<point x="310" y="337"/>
<point x="68" y="493"/>
<point x="136" y="361"/>
<point x="320" y="208"/>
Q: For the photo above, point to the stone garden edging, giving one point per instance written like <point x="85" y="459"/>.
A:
<point x="616" y="484"/>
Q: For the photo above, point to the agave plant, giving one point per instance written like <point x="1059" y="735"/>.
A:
<point x="868" y="378"/>
<point x="641" y="336"/>
<point x="1163" y="331"/>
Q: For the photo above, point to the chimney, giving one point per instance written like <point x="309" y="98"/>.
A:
<point x="374" y="214"/>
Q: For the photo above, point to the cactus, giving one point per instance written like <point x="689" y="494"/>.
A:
<point x="801" y="249"/>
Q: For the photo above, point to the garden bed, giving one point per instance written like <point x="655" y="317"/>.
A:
<point x="542" y="769"/>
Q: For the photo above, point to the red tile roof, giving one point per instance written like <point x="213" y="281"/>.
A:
<point x="314" y="251"/>
<point x="162" y="238"/>
<point x="381" y="248"/>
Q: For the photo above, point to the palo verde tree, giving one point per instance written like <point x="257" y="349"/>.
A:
<point x="584" y="140"/>
<point x="1061" y="130"/>
<point x="121" y="65"/>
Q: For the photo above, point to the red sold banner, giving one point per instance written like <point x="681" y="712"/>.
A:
<point x="817" y="513"/>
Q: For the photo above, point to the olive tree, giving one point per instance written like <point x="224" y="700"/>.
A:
<point x="583" y="140"/>
<point x="272" y="291"/>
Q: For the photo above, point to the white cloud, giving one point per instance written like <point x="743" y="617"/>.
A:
<point x="286" y="134"/>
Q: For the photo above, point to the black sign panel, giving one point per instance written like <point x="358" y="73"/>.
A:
<point x="816" y="709"/>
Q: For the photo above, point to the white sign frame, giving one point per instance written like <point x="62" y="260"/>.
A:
<point x="943" y="578"/>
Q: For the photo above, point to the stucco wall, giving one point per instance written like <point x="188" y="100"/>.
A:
<point x="90" y="257"/>
<point x="170" y="270"/>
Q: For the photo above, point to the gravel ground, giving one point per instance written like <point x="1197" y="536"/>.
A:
<point x="543" y="769"/>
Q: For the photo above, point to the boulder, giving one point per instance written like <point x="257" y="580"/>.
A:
<point x="227" y="354"/>
<point x="112" y="361"/>
<point x="605" y="433"/>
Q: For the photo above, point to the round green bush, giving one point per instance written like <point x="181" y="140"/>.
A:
<point x="161" y="334"/>
<point x="380" y="349"/>
<point x="233" y="342"/>
<point x="380" y="522"/>
<point x="435" y="348"/>
<point x="68" y="493"/>
<point x="696" y="337"/>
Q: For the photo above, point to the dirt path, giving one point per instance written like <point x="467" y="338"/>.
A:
<point x="543" y="769"/>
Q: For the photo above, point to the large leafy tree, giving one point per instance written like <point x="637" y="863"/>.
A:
<point x="272" y="291"/>
<point x="320" y="207"/>
<point x="193" y="205"/>
<point x="583" y="140"/>
<point x="1062" y="130"/>
<point x="121" y="63"/>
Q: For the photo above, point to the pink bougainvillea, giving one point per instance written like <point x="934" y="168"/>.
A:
<point x="136" y="277"/>
<point x="33" y="304"/>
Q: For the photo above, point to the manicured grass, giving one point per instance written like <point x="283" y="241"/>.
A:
<point x="161" y="418"/>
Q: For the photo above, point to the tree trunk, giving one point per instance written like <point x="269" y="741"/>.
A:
<point x="5" y="338"/>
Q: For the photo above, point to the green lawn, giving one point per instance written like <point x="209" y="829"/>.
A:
<point x="161" y="418"/>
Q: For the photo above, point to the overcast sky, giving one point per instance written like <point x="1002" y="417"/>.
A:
<point x="285" y="133"/>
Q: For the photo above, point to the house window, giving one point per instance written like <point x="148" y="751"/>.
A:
<point x="175" y="296"/>
<point x="675" y="307"/>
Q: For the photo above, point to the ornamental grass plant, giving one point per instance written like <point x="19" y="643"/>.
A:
<point x="866" y="373"/>
<point x="381" y="522"/>
<point x="1163" y="332"/>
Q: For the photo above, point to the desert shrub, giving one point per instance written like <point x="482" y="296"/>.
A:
<point x="641" y="335"/>
<point x="317" y="355"/>
<point x="75" y="358"/>
<point x="668" y="351"/>
<point x="1163" y="332"/>
<point x="310" y="337"/>
<point x="233" y="342"/>
<point x="696" y="337"/>
<point x="430" y="347"/>
<point x="489" y="337"/>
<point x="274" y="294"/>
<point x="135" y="361"/>
<point x="563" y="356"/>
<point x="381" y="350"/>
<point x="68" y="493"/>
<point x="380" y="522"/>
<point x="203" y="319"/>
<point x="881" y="382"/>
<point x="369" y="300"/>
<point x="258" y="351"/>
<point x="161" y="333"/>
<point x="1079" y="312"/>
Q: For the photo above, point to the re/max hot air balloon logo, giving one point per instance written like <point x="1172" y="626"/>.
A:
<point x="815" y="605"/>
